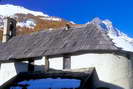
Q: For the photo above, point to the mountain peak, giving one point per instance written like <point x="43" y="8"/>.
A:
<point x="96" y="20"/>
<point x="99" y="21"/>
<point x="119" y="38"/>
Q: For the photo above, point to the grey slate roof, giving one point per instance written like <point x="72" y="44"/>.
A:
<point x="47" y="43"/>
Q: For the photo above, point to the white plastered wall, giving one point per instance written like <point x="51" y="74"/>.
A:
<point x="114" y="71"/>
<point x="10" y="70"/>
<point x="39" y="64"/>
<point x="55" y="63"/>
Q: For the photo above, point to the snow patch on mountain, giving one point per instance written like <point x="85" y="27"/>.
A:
<point x="29" y="23"/>
<point x="122" y="42"/>
<point x="52" y="18"/>
<point x="72" y="22"/>
<point x="119" y="38"/>
<point x="10" y="10"/>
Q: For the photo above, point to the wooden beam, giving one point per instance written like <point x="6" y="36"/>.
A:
<point x="46" y="64"/>
<point x="66" y="62"/>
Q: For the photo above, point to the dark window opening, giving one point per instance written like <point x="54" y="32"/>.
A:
<point x="12" y="29"/>
<point x="102" y="88"/>
<point x="31" y="66"/>
<point x="66" y="62"/>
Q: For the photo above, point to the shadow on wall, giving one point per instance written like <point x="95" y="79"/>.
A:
<point x="131" y="74"/>
<point x="21" y="67"/>
<point x="98" y="84"/>
<point x="0" y="65"/>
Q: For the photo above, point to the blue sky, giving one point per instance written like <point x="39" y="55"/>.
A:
<point x="120" y="12"/>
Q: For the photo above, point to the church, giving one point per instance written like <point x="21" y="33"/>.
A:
<point x="69" y="52"/>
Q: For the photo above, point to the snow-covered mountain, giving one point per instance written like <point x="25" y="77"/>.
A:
<point x="119" y="38"/>
<point x="25" y="17"/>
<point x="10" y="10"/>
